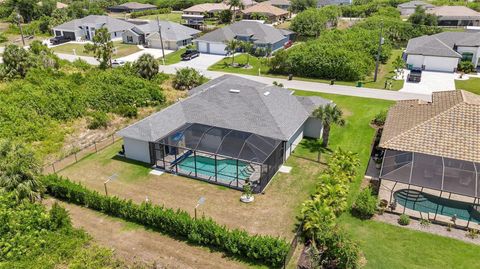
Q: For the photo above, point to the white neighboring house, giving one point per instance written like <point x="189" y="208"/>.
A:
<point x="444" y="51"/>
<point x="84" y="28"/>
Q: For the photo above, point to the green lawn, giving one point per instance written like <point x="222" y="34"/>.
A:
<point x="385" y="245"/>
<point x="174" y="17"/>
<point x="385" y="72"/>
<point x="122" y="49"/>
<point x="174" y="57"/>
<point x="471" y="85"/>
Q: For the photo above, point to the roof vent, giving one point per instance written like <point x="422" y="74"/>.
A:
<point x="234" y="91"/>
<point x="266" y="93"/>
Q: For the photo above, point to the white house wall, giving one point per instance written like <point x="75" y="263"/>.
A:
<point x="136" y="150"/>
<point x="474" y="50"/>
<point x="432" y="63"/>
<point x="313" y="128"/>
<point x="293" y="142"/>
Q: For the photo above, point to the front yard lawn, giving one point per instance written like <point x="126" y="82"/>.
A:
<point x="174" y="57"/>
<point x="122" y="49"/>
<point x="386" y="71"/>
<point x="471" y="85"/>
<point x="173" y="17"/>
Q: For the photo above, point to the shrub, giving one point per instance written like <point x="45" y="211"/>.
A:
<point x="137" y="14"/>
<point x="59" y="217"/>
<point x="466" y="67"/>
<point x="203" y="231"/>
<point x="404" y="220"/>
<point x="425" y="222"/>
<point x="98" y="119"/>
<point x="365" y="205"/>
<point x="187" y="79"/>
<point x="127" y="111"/>
<point x="380" y="118"/>
<point x="340" y="250"/>
<point x="472" y="233"/>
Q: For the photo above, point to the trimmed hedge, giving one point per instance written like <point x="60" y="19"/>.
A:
<point x="137" y="14"/>
<point x="203" y="231"/>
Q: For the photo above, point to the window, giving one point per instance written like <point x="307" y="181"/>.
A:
<point x="467" y="56"/>
<point x="184" y="42"/>
<point x="129" y="39"/>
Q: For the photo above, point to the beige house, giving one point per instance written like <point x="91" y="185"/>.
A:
<point x="273" y="13"/>
<point x="456" y="16"/>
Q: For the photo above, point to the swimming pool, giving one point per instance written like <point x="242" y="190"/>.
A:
<point x="226" y="168"/>
<point x="428" y="203"/>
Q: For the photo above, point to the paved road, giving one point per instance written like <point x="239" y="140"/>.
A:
<point x="319" y="87"/>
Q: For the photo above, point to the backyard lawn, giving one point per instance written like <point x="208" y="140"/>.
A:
<point x="386" y="71"/>
<point x="174" y="17"/>
<point x="122" y="49"/>
<point x="471" y="85"/>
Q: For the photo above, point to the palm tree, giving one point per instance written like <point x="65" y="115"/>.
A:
<point x="234" y="5"/>
<point x="231" y="47"/>
<point x="318" y="217"/>
<point x="247" y="48"/>
<point x="19" y="170"/>
<point x="146" y="66"/>
<point x="328" y="115"/>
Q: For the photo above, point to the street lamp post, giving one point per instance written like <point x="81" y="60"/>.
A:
<point x="19" y="18"/>
<point x="380" y="43"/>
<point x="161" y="40"/>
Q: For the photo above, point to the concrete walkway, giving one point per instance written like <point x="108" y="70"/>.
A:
<point x="318" y="87"/>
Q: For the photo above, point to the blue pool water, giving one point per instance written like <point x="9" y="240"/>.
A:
<point x="226" y="169"/>
<point x="428" y="203"/>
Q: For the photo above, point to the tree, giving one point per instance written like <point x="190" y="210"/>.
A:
<point x="225" y="16"/>
<point x="318" y="217"/>
<point x="420" y="17"/>
<point x="301" y="5"/>
<point x="102" y="47"/>
<point x="328" y="115"/>
<point x="146" y="66"/>
<point x="398" y="64"/>
<point x="19" y="170"/>
<point x="234" y="6"/>
<point x="309" y="23"/>
<point x="231" y="47"/>
<point x="247" y="47"/>
<point x="16" y="61"/>
<point x="187" y="78"/>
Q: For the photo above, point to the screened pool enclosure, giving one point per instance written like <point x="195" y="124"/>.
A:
<point x="222" y="156"/>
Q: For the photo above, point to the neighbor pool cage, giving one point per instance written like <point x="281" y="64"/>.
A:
<point x="446" y="175"/>
<point x="219" y="155"/>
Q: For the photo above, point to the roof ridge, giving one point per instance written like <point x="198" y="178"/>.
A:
<point x="447" y="46"/>
<point x="269" y="110"/>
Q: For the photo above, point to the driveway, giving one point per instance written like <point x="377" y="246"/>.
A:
<point x="157" y="53"/>
<point x="202" y="62"/>
<point x="430" y="82"/>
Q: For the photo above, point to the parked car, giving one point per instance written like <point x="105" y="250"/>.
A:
<point x="117" y="63"/>
<point x="59" y="40"/>
<point x="190" y="54"/>
<point x="415" y="75"/>
<point x="288" y="44"/>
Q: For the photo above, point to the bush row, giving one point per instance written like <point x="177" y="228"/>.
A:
<point x="137" y="14"/>
<point x="203" y="231"/>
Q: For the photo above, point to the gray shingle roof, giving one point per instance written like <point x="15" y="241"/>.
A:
<point x="277" y="114"/>
<point x="261" y="33"/>
<point x="321" y="3"/>
<point x="442" y="44"/>
<point x="414" y="4"/>
<point x="170" y="30"/>
<point x="112" y="24"/>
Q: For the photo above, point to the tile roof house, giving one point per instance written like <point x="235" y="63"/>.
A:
<point x="132" y="7"/>
<point x="227" y="119"/>
<point x="408" y="8"/>
<point x="443" y="51"/>
<point x="174" y="35"/>
<point x="273" y="13"/>
<point x="262" y="36"/>
<point x="456" y="16"/>
<point x="206" y="8"/>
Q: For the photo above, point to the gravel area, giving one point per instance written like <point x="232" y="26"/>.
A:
<point x="432" y="228"/>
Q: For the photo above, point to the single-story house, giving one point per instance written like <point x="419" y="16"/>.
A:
<point x="283" y="4"/>
<point x="132" y="7"/>
<point x="262" y="36"/>
<point x="84" y="28"/>
<point x="273" y="13"/>
<point x="207" y="8"/>
<point x="322" y="3"/>
<point x="408" y="8"/>
<point x="229" y="131"/>
<point x="430" y="160"/>
<point x="58" y="5"/>
<point x="443" y="51"/>
<point x="174" y="35"/>
<point x="456" y="16"/>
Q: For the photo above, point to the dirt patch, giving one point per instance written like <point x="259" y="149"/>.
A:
<point x="136" y="245"/>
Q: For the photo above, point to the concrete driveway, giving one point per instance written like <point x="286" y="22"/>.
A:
<point x="157" y="53"/>
<point x="202" y="62"/>
<point x="430" y="82"/>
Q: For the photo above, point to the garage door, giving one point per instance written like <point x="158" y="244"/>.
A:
<point x="202" y="47"/>
<point x="442" y="64"/>
<point x="70" y="35"/>
<point x="217" y="48"/>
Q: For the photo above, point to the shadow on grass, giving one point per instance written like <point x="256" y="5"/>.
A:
<point x="129" y="161"/>
<point x="313" y="146"/>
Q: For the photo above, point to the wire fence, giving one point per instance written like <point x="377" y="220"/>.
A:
<point x="77" y="155"/>
<point x="293" y="246"/>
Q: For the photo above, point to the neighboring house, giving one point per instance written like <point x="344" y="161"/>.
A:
<point x="174" y="35"/>
<point x="431" y="150"/>
<point x="408" y="8"/>
<point x="247" y="3"/>
<point x="58" y="5"/>
<point x="443" y="51"/>
<point x="132" y="7"/>
<point x="322" y="3"/>
<point x="272" y="13"/>
<point x="261" y="35"/>
<point x="84" y="29"/>
<point x="209" y="9"/>
<point x="228" y="131"/>
<point x="456" y="16"/>
<point x="283" y="4"/>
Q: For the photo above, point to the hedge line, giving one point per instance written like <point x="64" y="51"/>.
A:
<point x="137" y="14"/>
<point x="203" y="231"/>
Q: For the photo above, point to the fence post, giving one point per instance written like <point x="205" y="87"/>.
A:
<point x="53" y="166"/>
<point x="75" y="157"/>
<point x="113" y="138"/>
<point x="95" y="143"/>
